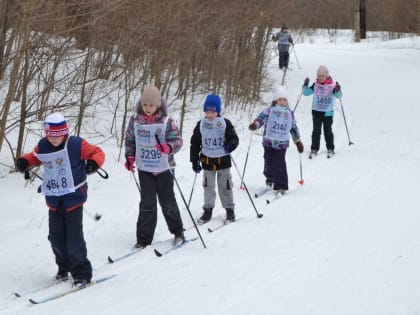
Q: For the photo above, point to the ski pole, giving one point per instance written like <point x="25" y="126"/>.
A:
<point x="246" y="161"/>
<point x="345" y="123"/>
<point x="297" y="61"/>
<point x="134" y="176"/>
<point x="300" y="96"/>
<point x="137" y="182"/>
<point x="27" y="176"/>
<point x="192" y="189"/>
<point x="259" y="215"/>
<point x="300" y="165"/>
<point x="183" y="198"/>
<point x="96" y="216"/>
<point x="188" y="208"/>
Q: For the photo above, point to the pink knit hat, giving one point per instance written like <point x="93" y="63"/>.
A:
<point x="55" y="125"/>
<point x="322" y="70"/>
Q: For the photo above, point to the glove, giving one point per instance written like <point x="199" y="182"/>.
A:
<point x="306" y="82"/>
<point x="337" y="87"/>
<point x="163" y="148"/>
<point x="129" y="163"/>
<point x="22" y="165"/>
<point x="196" y="167"/>
<point x="91" y="167"/>
<point x="228" y="148"/>
<point x="253" y="126"/>
<point x="299" y="145"/>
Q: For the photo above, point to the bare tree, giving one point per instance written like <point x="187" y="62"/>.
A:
<point x="72" y="55"/>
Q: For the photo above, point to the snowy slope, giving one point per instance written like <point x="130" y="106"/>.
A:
<point x="346" y="242"/>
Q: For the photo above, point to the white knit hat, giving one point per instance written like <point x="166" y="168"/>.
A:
<point x="280" y="92"/>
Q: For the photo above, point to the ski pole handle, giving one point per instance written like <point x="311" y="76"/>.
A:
<point x="102" y="173"/>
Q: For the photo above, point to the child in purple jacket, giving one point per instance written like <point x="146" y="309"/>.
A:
<point x="154" y="160"/>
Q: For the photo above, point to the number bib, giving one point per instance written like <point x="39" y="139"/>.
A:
<point x="148" y="158"/>
<point x="323" y="100"/>
<point x="279" y="124"/>
<point x="284" y="39"/>
<point x="213" y="137"/>
<point x="58" y="177"/>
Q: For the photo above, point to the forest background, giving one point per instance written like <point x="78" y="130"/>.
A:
<point x="74" y="55"/>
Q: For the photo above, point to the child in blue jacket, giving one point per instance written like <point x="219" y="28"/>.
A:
<point x="66" y="161"/>
<point x="325" y="91"/>
<point x="214" y="138"/>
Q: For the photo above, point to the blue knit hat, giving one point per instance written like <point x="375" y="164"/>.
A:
<point x="212" y="103"/>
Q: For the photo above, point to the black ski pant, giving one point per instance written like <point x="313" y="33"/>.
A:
<point x="68" y="243"/>
<point x="319" y="119"/>
<point x="283" y="59"/>
<point x="275" y="167"/>
<point x="159" y="186"/>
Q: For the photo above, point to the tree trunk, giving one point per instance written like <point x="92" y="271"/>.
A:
<point x="356" y="22"/>
<point x="362" y="11"/>
<point x="11" y="92"/>
<point x="82" y="95"/>
<point x="23" y="104"/>
<point x="418" y="17"/>
<point x="3" y="31"/>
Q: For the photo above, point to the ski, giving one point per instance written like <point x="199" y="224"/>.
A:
<point x="50" y="285"/>
<point x="136" y="250"/>
<point x="130" y="253"/>
<point x="223" y="224"/>
<point x="189" y="228"/>
<point x="262" y="192"/>
<point x="199" y="223"/>
<point x="277" y="195"/>
<point x="312" y="155"/>
<point x="284" y="69"/>
<point x="284" y="76"/>
<point x="68" y="291"/>
<point x="174" y="247"/>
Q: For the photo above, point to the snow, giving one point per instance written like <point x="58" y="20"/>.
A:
<point x="345" y="242"/>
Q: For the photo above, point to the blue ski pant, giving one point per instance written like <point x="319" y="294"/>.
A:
<point x="275" y="167"/>
<point x="283" y="59"/>
<point x="68" y="243"/>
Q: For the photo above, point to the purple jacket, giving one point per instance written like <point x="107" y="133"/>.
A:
<point x="172" y="136"/>
<point x="261" y="120"/>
